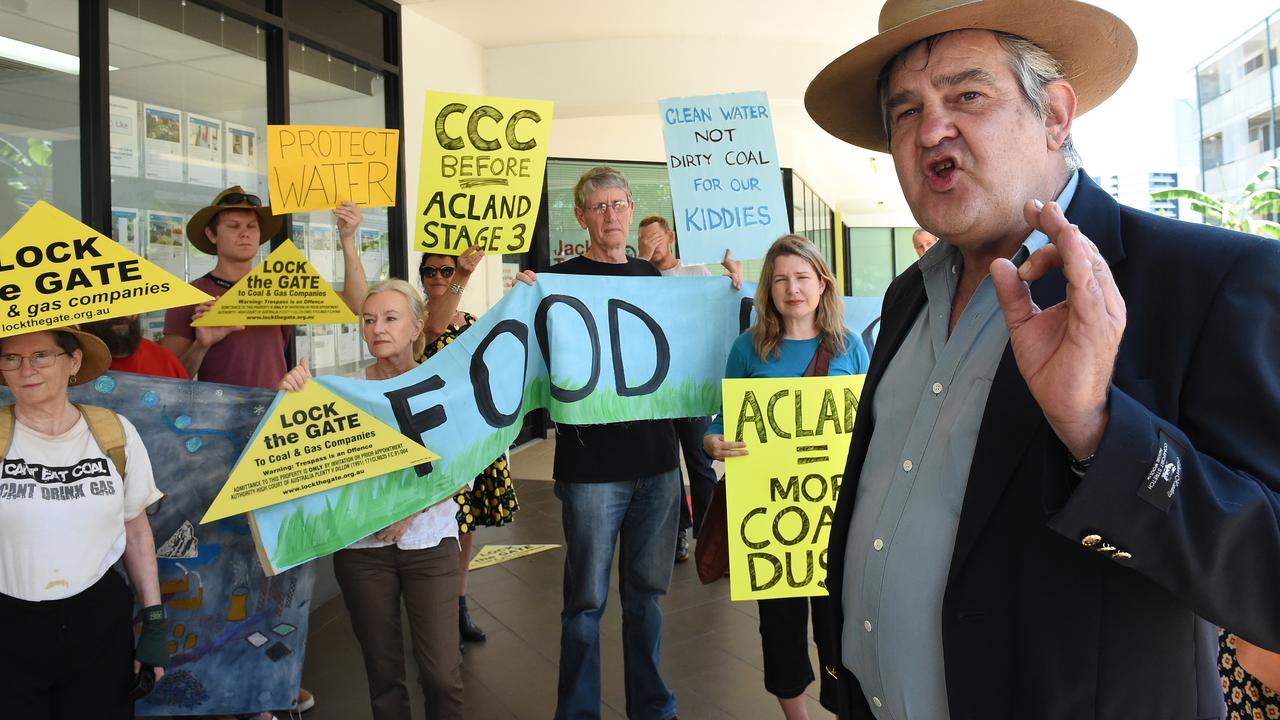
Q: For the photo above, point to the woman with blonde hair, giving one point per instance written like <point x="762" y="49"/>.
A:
<point x="415" y="558"/>
<point x="799" y="330"/>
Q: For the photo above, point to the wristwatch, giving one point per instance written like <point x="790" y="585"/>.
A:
<point x="455" y="288"/>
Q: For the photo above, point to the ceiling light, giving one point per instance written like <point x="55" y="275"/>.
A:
<point x="39" y="56"/>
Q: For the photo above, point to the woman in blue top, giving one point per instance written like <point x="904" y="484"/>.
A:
<point x="797" y="309"/>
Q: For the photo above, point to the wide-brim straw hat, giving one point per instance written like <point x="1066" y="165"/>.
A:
<point x="268" y="224"/>
<point x="1096" y="50"/>
<point x="95" y="357"/>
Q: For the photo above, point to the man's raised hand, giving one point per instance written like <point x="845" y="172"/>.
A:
<point x="1066" y="353"/>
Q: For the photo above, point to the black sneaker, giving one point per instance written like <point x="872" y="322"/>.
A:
<point x="682" y="546"/>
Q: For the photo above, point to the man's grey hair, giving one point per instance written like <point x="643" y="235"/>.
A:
<point x="599" y="178"/>
<point x="1032" y="66"/>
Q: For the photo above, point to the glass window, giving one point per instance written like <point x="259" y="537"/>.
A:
<point x="870" y="253"/>
<point x="327" y="90"/>
<point x="188" y="117"/>
<point x="904" y="250"/>
<point x="353" y="23"/>
<point x="649" y="186"/>
<point x="39" y="108"/>
<point x="812" y="218"/>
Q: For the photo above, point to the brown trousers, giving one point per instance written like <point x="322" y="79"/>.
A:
<point x="373" y="580"/>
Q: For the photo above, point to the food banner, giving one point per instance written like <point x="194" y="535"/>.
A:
<point x="616" y="348"/>
<point x="589" y="349"/>
<point x="283" y="289"/>
<point x="56" y="271"/>
<point x="237" y="638"/>
<point x="480" y="181"/>
<point x="315" y="167"/>
<point x="781" y="496"/>
<point x="726" y="184"/>
<point x="312" y="440"/>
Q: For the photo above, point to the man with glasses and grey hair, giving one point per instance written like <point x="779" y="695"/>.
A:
<point x="1064" y="472"/>
<point x="618" y="486"/>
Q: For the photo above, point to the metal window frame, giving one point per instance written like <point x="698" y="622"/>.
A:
<point x="275" y="21"/>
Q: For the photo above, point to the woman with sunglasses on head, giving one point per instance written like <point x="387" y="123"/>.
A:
<point x="76" y="484"/>
<point x="491" y="501"/>
<point x="799" y="330"/>
<point x="415" y="558"/>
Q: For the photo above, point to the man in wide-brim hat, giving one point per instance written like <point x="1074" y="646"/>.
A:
<point x="1067" y="458"/>
<point x="233" y="227"/>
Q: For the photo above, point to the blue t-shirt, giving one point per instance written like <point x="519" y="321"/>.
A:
<point x="794" y="359"/>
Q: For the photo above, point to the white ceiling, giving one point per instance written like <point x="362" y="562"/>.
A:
<point x="503" y="23"/>
<point x="618" y="60"/>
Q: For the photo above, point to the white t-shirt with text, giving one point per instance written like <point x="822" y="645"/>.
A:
<point x="63" y="507"/>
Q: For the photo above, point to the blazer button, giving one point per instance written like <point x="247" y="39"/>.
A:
<point x="1090" y="540"/>
<point x="831" y="670"/>
<point x="1121" y="555"/>
<point x="1105" y="548"/>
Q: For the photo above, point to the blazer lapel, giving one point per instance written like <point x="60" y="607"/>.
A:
<point x="1011" y="417"/>
<point x="1010" y="420"/>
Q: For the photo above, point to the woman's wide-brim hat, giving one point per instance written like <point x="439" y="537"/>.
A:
<point x="95" y="357"/>
<point x="233" y="198"/>
<point x="1096" y="50"/>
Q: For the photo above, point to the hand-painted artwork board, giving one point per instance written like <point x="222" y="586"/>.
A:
<point x="237" y="637"/>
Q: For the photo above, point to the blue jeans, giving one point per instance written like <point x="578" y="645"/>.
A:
<point x="643" y="513"/>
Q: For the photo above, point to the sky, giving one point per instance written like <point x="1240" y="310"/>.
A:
<point x="1134" y="131"/>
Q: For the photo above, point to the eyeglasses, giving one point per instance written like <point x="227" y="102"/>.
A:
<point x="38" y="359"/>
<point x="240" y="199"/>
<point x="601" y="208"/>
<point x="429" y="271"/>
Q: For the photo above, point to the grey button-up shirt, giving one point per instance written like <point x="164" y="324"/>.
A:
<point x="928" y="408"/>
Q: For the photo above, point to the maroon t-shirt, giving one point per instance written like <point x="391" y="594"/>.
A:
<point x="253" y="356"/>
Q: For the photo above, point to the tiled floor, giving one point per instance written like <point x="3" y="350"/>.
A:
<point x="710" y="653"/>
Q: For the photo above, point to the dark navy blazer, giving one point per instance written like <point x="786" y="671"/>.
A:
<point x="1079" y="599"/>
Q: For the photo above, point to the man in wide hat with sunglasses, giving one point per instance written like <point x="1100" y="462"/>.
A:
<point x="1064" y="474"/>
<point x="233" y="227"/>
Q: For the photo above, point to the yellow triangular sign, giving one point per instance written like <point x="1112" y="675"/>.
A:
<point x="496" y="554"/>
<point x="284" y="289"/>
<point x="312" y="440"/>
<point x="56" y="271"/>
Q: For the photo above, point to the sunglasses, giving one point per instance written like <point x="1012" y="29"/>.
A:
<point x="429" y="271"/>
<point x="240" y="199"/>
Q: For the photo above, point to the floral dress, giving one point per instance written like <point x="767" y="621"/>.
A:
<point x="491" y="501"/>
<point x="1247" y="698"/>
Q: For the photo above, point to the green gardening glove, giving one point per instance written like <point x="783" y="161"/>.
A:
<point x="152" y="646"/>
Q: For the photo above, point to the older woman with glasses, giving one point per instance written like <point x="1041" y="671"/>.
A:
<point x="74" y="486"/>
<point x="491" y="500"/>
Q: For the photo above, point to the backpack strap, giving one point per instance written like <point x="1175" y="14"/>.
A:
<point x="6" y="429"/>
<point x="107" y="431"/>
